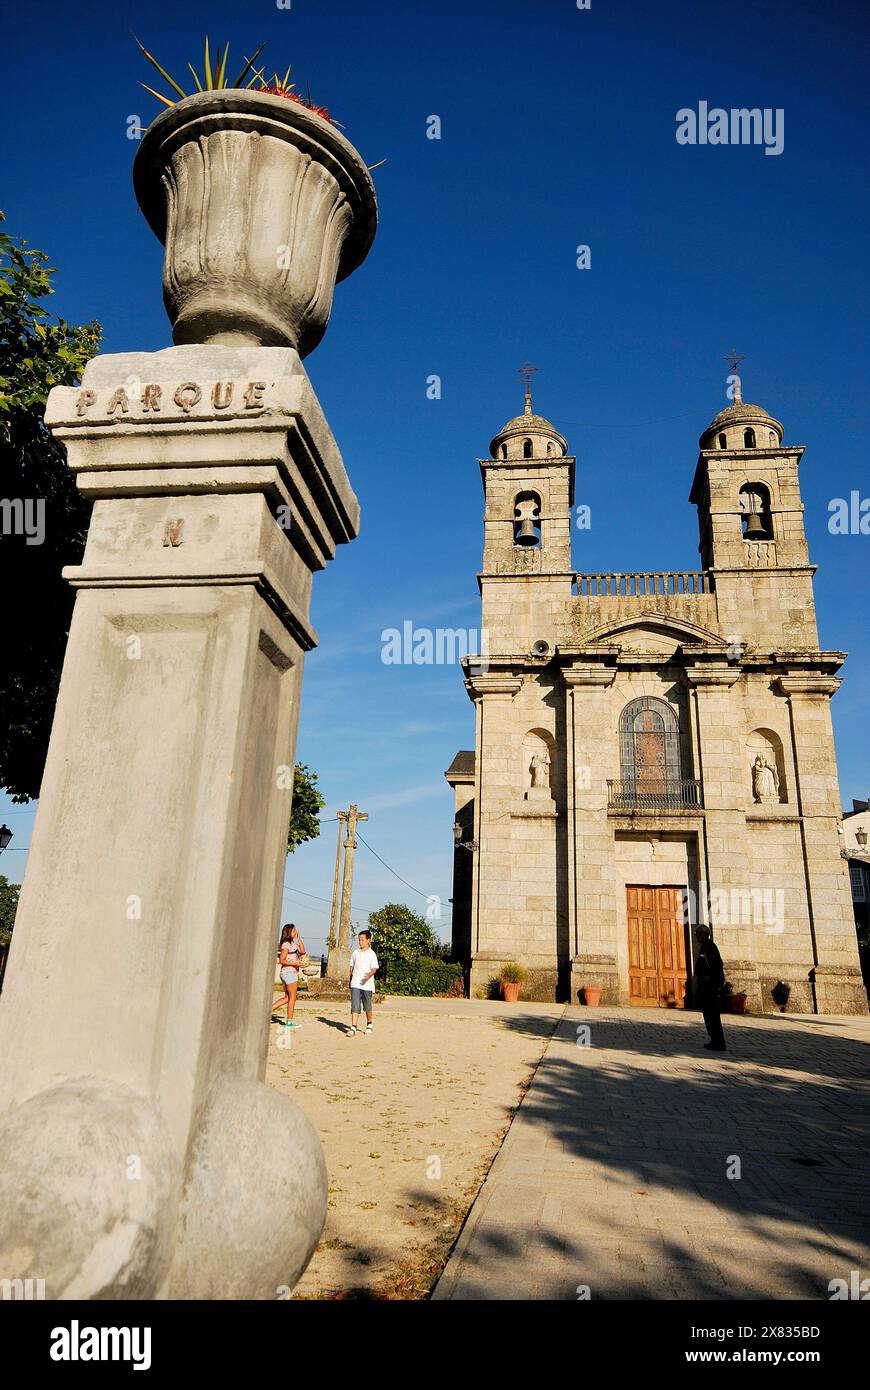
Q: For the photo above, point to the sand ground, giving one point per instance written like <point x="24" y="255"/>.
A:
<point x="410" y="1120"/>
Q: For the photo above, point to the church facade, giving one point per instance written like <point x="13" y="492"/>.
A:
<point x="653" y="749"/>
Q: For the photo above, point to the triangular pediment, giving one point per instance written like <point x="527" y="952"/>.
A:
<point x="654" y="631"/>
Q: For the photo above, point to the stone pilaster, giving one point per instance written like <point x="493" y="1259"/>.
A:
<point x="518" y="885"/>
<point x="837" y="979"/>
<point x="592" y="905"/>
<point x="725" y="867"/>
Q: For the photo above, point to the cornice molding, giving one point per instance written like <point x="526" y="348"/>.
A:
<point x="812" y="686"/>
<point x="493" y="684"/>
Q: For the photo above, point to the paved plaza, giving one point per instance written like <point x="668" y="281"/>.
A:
<point x="619" y="1173"/>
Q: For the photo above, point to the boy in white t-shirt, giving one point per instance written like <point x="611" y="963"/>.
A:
<point x="363" y="964"/>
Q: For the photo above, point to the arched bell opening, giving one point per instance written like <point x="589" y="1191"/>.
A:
<point x="527" y="519"/>
<point x="749" y="438"/>
<point x="527" y="448"/>
<point x="755" y="512"/>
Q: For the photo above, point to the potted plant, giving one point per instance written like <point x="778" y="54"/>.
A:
<point x="591" y="996"/>
<point x="261" y="204"/>
<point x="738" y="1002"/>
<point x="510" y="978"/>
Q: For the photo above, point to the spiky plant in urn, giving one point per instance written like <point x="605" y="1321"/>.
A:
<point x="261" y="204"/>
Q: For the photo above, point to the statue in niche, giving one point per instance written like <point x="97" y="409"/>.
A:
<point x="539" y="767"/>
<point x="765" y="781"/>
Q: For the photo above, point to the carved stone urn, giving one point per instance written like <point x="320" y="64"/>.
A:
<point x="262" y="206"/>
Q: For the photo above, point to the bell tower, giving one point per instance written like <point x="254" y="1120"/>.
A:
<point x="752" y="537"/>
<point x="528" y="484"/>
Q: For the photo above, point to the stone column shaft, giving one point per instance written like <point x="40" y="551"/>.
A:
<point x="152" y="894"/>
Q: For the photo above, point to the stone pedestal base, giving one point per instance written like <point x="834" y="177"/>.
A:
<point x="794" y="988"/>
<point x="743" y="979"/>
<point x="546" y="982"/>
<point x="599" y="971"/>
<point x="338" y="966"/>
<point x="839" y="990"/>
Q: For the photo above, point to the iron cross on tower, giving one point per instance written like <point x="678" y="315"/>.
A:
<point x="525" y="371"/>
<point x="734" y="358"/>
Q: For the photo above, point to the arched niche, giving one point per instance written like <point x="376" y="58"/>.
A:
<point x="768" y="785"/>
<point x="537" y="765"/>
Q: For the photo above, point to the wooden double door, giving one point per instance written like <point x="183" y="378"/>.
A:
<point x="657" y="932"/>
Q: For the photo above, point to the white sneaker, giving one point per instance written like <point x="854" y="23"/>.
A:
<point x="369" y="1028"/>
<point x="351" y="1032"/>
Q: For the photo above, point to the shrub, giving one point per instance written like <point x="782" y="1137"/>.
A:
<point x="512" y="973"/>
<point x="423" y="977"/>
<point x="400" y="937"/>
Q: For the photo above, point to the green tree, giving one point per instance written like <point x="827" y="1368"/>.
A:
<point x="8" y="906"/>
<point x="307" y="805"/>
<point x="35" y="354"/>
<point x="400" y="936"/>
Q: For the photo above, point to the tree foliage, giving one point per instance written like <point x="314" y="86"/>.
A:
<point x="400" y="936"/>
<point x="36" y="353"/>
<point x="307" y="805"/>
<point x="8" y="906"/>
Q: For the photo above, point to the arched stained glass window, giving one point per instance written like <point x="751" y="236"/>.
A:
<point x="649" y="745"/>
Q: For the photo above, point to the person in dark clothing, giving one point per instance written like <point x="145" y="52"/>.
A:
<point x="710" y="975"/>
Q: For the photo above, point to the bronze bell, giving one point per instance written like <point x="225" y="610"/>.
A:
<point x="755" y="528"/>
<point x="526" y="533"/>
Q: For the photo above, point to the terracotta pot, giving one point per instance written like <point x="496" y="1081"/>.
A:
<point x="591" y="996"/>
<point x="510" y="991"/>
<point x="262" y="206"/>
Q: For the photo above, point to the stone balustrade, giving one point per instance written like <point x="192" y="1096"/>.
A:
<point x="645" y="584"/>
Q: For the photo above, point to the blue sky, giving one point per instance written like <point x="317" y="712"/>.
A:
<point x="558" y="129"/>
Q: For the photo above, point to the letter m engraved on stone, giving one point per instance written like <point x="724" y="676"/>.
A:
<point x="172" y="531"/>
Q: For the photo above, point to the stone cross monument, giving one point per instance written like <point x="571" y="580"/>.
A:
<point x="338" y="964"/>
<point x="143" y="1156"/>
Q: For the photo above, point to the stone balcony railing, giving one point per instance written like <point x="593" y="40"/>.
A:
<point x="670" y="795"/>
<point x="651" y="584"/>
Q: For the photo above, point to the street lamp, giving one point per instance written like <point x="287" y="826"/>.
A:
<point x="458" y="840"/>
<point x="860" y="836"/>
<point x="5" y="836"/>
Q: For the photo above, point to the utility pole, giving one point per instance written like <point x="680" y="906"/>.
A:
<point x="339" y="956"/>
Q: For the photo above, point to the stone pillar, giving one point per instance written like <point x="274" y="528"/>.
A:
<point x="592" y="909"/>
<point x="837" y="981"/>
<point x="143" y="1156"/>
<point x="725" y="867"/>
<point x="494" y="898"/>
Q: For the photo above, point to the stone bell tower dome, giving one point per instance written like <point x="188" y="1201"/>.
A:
<point x="528" y="436"/>
<point x="752" y="538"/>
<point x="528" y="483"/>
